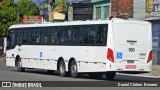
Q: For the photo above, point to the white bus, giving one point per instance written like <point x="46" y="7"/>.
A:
<point x="94" y="47"/>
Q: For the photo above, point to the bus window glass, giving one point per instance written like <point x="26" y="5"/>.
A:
<point x="101" y="32"/>
<point x="89" y="35"/>
<point x="25" y="41"/>
<point x="48" y="35"/>
<point x="64" y="35"/>
<point x="38" y="34"/>
<point x="75" y="32"/>
<point x="29" y="35"/>
<point x="53" y="36"/>
<point x="69" y="35"/>
<point x="33" y="38"/>
<point x="11" y="39"/>
<point x="21" y="36"/>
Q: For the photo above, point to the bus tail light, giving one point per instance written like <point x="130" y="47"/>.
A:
<point x="149" y="57"/>
<point x="110" y="55"/>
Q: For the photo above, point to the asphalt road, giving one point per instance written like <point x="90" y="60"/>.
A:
<point x="10" y="74"/>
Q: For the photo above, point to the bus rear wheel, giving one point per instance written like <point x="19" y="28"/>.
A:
<point x="110" y="75"/>
<point x="74" y="70"/>
<point x="62" y="69"/>
<point x="19" y="65"/>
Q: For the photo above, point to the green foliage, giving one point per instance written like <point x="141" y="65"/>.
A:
<point x="27" y="7"/>
<point x="9" y="15"/>
<point x="61" y="3"/>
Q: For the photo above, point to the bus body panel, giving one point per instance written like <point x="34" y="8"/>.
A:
<point x="90" y="58"/>
<point x="132" y="42"/>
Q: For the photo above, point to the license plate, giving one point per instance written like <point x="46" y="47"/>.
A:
<point x="130" y="66"/>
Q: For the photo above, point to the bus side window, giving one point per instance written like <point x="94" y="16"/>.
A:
<point x="10" y="39"/>
<point x="101" y="31"/>
<point x="21" y="36"/>
<point x="75" y="39"/>
<point x="18" y="36"/>
<point x="80" y="35"/>
<point x="90" y="34"/>
<point x="53" y="35"/>
<point x="86" y="34"/>
<point x="33" y="38"/>
<point x="29" y="35"/>
<point x="38" y="34"/>
<point x="58" y="35"/>
<point x="25" y="41"/>
<point x="48" y="36"/>
<point x="64" y="33"/>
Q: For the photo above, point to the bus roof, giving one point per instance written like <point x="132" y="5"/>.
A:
<point x="87" y="22"/>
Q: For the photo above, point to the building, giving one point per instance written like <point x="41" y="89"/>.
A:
<point x="152" y="14"/>
<point x="124" y="8"/>
<point x="101" y="9"/>
<point x="80" y="11"/>
<point x="149" y="10"/>
<point x="106" y="8"/>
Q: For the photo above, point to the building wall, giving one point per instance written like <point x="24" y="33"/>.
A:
<point x="80" y="11"/>
<point x="125" y="8"/>
<point x="139" y="9"/>
<point x="156" y="44"/>
<point x="101" y="4"/>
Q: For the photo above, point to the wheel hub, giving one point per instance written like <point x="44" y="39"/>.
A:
<point x="74" y="69"/>
<point x="62" y="68"/>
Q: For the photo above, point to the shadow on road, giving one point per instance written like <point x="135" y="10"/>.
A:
<point x="103" y="78"/>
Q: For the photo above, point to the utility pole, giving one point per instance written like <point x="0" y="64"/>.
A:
<point x="117" y="8"/>
<point x="50" y="3"/>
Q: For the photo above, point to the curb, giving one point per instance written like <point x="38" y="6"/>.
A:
<point x="158" y="77"/>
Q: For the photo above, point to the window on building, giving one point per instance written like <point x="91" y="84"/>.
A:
<point x="98" y="13"/>
<point x="106" y="11"/>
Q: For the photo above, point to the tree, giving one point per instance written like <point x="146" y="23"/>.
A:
<point x="27" y="7"/>
<point x="125" y="7"/>
<point x="61" y="3"/>
<point x="8" y="15"/>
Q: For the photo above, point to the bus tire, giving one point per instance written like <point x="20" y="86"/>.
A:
<point x="110" y="75"/>
<point x="73" y="70"/>
<point x="19" y="65"/>
<point x="62" y="69"/>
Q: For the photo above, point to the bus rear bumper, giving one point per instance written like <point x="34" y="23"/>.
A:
<point x="118" y="67"/>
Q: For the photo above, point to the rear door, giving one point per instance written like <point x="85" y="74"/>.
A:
<point x="131" y="42"/>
